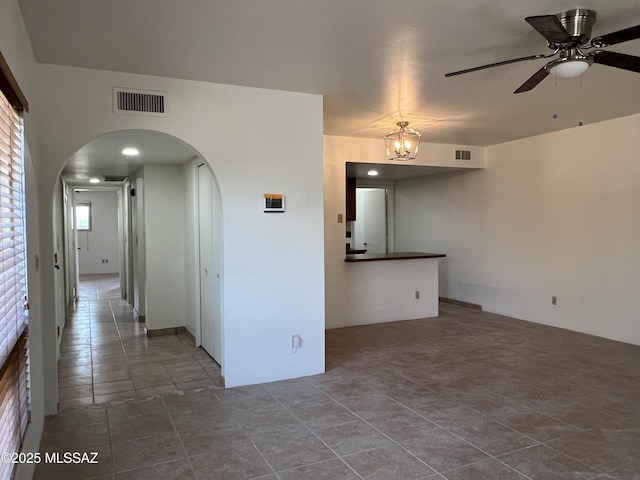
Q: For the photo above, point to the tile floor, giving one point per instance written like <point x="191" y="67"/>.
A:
<point x="465" y="396"/>
<point x="105" y="356"/>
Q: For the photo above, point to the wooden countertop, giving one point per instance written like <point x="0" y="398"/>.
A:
<point x="376" y="257"/>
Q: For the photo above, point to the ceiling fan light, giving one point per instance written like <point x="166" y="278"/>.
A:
<point x="570" y="68"/>
<point x="403" y="143"/>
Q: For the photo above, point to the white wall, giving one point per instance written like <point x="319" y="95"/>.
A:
<point x="16" y="49"/>
<point x="191" y="268"/>
<point x="343" y="279"/>
<point x="273" y="282"/>
<point x="101" y="242"/>
<point x="385" y="291"/>
<point x="164" y="205"/>
<point x="31" y="441"/>
<point x="553" y="215"/>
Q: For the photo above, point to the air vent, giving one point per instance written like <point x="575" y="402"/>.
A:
<point x="115" y="178"/>
<point x="463" y="154"/>
<point x="139" y="102"/>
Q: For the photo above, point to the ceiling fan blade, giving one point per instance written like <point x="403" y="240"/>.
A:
<point x="549" y="27"/>
<point x="618" y="60"/>
<point x="534" y="80"/>
<point x="631" y="33"/>
<point x="497" y="64"/>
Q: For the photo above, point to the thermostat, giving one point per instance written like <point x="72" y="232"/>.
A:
<point x="273" y="202"/>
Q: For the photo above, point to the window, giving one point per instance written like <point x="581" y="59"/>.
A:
<point x="83" y="216"/>
<point x="14" y="354"/>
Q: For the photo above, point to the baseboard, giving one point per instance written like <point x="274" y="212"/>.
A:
<point x="460" y="303"/>
<point x="139" y="318"/>
<point x="190" y="335"/>
<point x="157" y="332"/>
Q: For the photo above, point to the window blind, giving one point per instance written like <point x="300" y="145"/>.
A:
<point x="14" y="358"/>
<point x="14" y="402"/>
<point x="12" y="242"/>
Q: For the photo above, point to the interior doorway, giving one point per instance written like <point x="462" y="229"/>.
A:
<point x="373" y="229"/>
<point x="97" y="230"/>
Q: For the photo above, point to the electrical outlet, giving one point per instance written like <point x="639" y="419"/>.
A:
<point x="417" y="295"/>
<point x="295" y="341"/>
<point x="554" y="300"/>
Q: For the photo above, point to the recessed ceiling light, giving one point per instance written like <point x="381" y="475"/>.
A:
<point x="94" y="180"/>
<point x="372" y="173"/>
<point x="130" y="151"/>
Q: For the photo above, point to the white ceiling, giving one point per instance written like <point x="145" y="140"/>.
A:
<point x="103" y="155"/>
<point x="374" y="61"/>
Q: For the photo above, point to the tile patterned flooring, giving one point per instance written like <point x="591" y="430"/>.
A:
<point x="105" y="356"/>
<point x="465" y="396"/>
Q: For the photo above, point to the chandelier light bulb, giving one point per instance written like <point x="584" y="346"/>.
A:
<point x="402" y="144"/>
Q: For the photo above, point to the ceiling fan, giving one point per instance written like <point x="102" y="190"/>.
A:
<point x="568" y="34"/>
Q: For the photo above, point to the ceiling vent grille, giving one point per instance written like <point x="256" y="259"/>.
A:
<point x="463" y="154"/>
<point x="139" y="102"/>
<point x="115" y="178"/>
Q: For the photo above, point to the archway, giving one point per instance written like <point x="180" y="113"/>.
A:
<point x="158" y="223"/>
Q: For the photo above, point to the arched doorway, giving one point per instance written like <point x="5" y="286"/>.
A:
<point x="159" y="239"/>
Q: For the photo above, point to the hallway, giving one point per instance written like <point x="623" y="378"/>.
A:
<point x="105" y="355"/>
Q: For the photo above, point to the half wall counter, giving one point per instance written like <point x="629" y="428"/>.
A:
<point x="394" y="286"/>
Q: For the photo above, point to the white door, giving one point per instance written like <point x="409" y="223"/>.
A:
<point x="74" y="242"/>
<point x="371" y="219"/>
<point x="210" y="321"/>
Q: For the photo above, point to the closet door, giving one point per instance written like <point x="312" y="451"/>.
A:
<point x="209" y="267"/>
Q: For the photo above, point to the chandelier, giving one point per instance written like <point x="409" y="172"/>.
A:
<point x="402" y="144"/>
